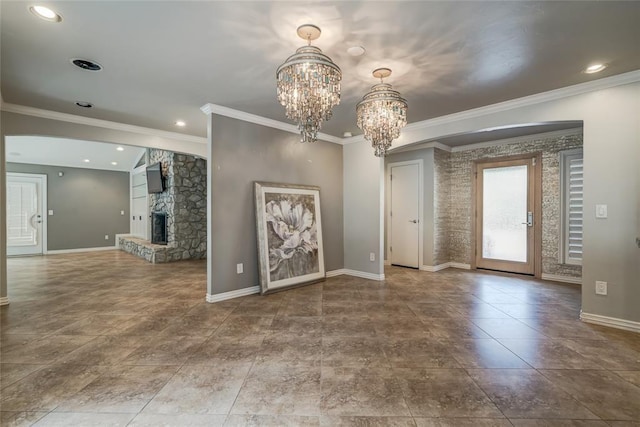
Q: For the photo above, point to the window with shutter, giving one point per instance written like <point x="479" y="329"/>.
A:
<point x="572" y="168"/>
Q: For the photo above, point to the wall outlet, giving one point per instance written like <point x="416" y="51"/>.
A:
<point x="372" y="256"/>
<point x="239" y="268"/>
<point x="121" y="212"/>
<point x="601" y="211"/>
<point x="601" y="288"/>
<point x="106" y="237"/>
<point x="50" y="212"/>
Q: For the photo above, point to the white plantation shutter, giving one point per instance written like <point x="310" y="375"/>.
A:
<point x="573" y="207"/>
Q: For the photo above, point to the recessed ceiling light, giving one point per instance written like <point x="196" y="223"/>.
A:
<point x="86" y="160"/>
<point x="356" y="51"/>
<point x="84" y="104"/>
<point x="45" y="13"/>
<point x="114" y="163"/>
<point x="180" y="123"/>
<point x="120" y="148"/>
<point x="595" y="68"/>
<point x="86" y="64"/>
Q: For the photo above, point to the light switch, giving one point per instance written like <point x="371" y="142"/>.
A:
<point x="601" y="211"/>
<point x="50" y="212"/>
<point x="121" y="212"/>
<point x="239" y="268"/>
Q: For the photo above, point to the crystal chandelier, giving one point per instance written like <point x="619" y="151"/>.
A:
<point x="308" y="85"/>
<point x="381" y="114"/>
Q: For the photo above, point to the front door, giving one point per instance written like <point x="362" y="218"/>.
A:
<point x="506" y="215"/>
<point x="404" y="213"/>
<point x="25" y="213"/>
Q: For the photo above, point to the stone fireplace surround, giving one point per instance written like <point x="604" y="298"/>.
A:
<point x="185" y="203"/>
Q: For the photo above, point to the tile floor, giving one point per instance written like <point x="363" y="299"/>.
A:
<point x="104" y="338"/>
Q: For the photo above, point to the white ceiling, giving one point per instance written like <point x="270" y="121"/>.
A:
<point x="163" y="60"/>
<point x="70" y="153"/>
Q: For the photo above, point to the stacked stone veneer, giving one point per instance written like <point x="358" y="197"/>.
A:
<point x="185" y="203"/>
<point x="453" y="223"/>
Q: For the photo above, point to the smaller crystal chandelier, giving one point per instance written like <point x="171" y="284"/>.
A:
<point x="308" y="85"/>
<point x="381" y="114"/>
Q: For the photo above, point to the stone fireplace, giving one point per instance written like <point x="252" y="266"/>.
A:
<point x="159" y="228"/>
<point x="184" y="207"/>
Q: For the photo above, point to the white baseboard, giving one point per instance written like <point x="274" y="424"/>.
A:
<point x="434" y="268"/>
<point x="233" y="294"/>
<point x="334" y="273"/>
<point x="73" y="251"/>
<point x="4" y="301"/>
<point x="460" y="265"/>
<point x="364" y="275"/>
<point x="564" y="279"/>
<point x="627" y="325"/>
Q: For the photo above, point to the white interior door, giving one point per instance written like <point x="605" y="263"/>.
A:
<point x="405" y="219"/>
<point x="26" y="200"/>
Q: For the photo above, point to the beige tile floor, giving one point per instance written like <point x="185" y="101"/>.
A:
<point x="107" y="339"/>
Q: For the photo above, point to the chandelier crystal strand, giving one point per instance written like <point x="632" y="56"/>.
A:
<point x="381" y="114"/>
<point x="308" y="85"/>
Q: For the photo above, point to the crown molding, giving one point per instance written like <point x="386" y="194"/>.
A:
<point x="423" y="146"/>
<point x="565" y="92"/>
<point x="263" y="121"/>
<point x="89" y="121"/>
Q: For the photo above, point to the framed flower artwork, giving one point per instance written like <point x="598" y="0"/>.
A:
<point x="289" y="231"/>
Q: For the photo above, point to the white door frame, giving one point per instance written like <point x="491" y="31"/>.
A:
<point x="43" y="202"/>
<point x="418" y="162"/>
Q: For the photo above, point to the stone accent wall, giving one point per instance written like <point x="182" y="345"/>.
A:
<point x="461" y="205"/>
<point x="441" y="206"/>
<point x="184" y="201"/>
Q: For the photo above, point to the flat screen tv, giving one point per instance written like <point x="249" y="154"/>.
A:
<point x="155" y="180"/>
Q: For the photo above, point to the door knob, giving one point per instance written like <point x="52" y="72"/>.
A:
<point x="415" y="221"/>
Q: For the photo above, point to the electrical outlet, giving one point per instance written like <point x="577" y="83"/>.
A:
<point x="106" y="237"/>
<point x="121" y="212"/>
<point x="239" y="268"/>
<point x="50" y="212"/>
<point x="601" y="211"/>
<point x="601" y="288"/>
<point x="372" y="256"/>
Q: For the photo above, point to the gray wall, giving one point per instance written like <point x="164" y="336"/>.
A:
<point x="242" y="153"/>
<point x="426" y="155"/>
<point x="363" y="208"/>
<point x="86" y="205"/>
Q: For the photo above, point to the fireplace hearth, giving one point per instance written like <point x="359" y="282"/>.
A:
<point x="159" y="228"/>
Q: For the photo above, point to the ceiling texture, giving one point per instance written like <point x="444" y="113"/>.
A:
<point x="163" y="60"/>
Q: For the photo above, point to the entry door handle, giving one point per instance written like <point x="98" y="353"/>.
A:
<point x="529" y="219"/>
<point x="415" y="221"/>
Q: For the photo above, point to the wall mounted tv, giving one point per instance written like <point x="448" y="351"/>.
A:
<point x="155" y="180"/>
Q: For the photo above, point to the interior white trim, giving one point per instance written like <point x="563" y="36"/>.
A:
<point x="233" y="294"/>
<point x="459" y="265"/>
<point x="387" y="262"/>
<point x="434" y="268"/>
<point x="363" y="274"/>
<point x="80" y="250"/>
<point x="564" y="279"/>
<point x="264" y="121"/>
<point x="4" y="301"/>
<point x="613" y="322"/>
<point x="334" y="273"/>
<point x="387" y="195"/>
<point x="89" y="121"/>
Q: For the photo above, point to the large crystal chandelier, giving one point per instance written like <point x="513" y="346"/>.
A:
<point x="381" y="114"/>
<point x="308" y="85"/>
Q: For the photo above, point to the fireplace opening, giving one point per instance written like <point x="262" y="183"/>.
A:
<point x="159" y="228"/>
